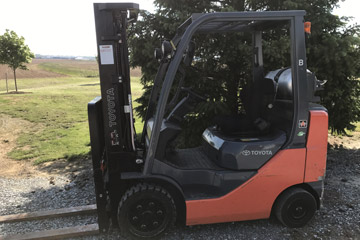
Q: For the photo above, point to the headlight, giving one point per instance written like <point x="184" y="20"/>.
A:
<point x="166" y="48"/>
<point x="157" y="53"/>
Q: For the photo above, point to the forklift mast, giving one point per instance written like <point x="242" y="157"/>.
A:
<point x="111" y="120"/>
<point x="111" y="23"/>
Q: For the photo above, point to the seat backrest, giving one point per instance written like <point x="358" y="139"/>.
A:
<point x="256" y="98"/>
<point x="267" y="91"/>
<point x="281" y="114"/>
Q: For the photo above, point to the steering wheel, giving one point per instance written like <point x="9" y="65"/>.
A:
<point x="192" y="94"/>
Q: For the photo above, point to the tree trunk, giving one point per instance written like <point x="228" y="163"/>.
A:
<point x="7" y="87"/>
<point x="15" y="79"/>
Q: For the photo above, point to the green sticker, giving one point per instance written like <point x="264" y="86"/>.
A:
<point x="301" y="133"/>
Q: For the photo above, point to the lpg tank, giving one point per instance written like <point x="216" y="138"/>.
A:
<point x="283" y="79"/>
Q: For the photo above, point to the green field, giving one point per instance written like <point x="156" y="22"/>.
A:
<point x="72" y="68"/>
<point x="58" y="109"/>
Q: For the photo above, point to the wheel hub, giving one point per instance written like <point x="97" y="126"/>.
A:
<point x="147" y="215"/>
<point x="298" y="210"/>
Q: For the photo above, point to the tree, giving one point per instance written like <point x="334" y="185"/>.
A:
<point x="333" y="53"/>
<point x="14" y="52"/>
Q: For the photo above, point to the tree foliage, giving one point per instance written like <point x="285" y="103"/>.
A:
<point x="333" y="53"/>
<point x="14" y="52"/>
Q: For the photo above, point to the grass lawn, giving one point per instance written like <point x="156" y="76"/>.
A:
<point x="58" y="109"/>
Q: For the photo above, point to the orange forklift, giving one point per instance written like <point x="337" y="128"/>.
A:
<point x="271" y="160"/>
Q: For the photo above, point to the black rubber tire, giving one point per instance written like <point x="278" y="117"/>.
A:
<point x="295" y="207"/>
<point x="146" y="211"/>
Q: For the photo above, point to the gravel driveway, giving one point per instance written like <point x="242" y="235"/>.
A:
<point x="339" y="217"/>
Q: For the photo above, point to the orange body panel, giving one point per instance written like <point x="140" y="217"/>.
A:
<point x="316" y="146"/>
<point x="253" y="199"/>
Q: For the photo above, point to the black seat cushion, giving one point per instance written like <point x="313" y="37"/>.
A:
<point x="242" y="153"/>
<point x="241" y="125"/>
<point x="230" y="124"/>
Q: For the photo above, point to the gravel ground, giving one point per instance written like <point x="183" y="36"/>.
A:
<point x="339" y="218"/>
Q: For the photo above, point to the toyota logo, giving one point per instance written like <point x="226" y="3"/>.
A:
<point x="246" y="152"/>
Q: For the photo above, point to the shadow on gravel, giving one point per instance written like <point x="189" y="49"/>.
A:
<point x="73" y="163"/>
<point x="72" y="186"/>
<point x="67" y="187"/>
<point x="53" y="198"/>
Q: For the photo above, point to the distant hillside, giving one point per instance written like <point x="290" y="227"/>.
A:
<point x="77" y="68"/>
<point x="50" y="68"/>
<point x="34" y="72"/>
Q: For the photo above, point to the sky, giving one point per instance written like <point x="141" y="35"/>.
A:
<point x="67" y="28"/>
<point x="56" y="27"/>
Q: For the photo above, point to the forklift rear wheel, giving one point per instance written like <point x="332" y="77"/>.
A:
<point x="146" y="210"/>
<point x="295" y="207"/>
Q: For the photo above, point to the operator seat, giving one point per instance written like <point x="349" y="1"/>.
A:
<point x="242" y="153"/>
<point x="257" y="101"/>
<point x="246" y="142"/>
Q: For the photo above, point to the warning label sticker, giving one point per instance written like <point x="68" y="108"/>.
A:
<point x="106" y="54"/>
<point x="302" y="124"/>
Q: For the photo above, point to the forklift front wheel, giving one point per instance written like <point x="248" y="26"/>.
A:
<point x="146" y="211"/>
<point x="295" y="207"/>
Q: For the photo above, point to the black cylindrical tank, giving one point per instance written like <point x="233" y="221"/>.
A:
<point x="283" y="79"/>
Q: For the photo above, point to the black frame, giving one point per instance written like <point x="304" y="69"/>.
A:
<point x="111" y="20"/>
<point x="298" y="63"/>
<point x="110" y="117"/>
<point x="97" y="148"/>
